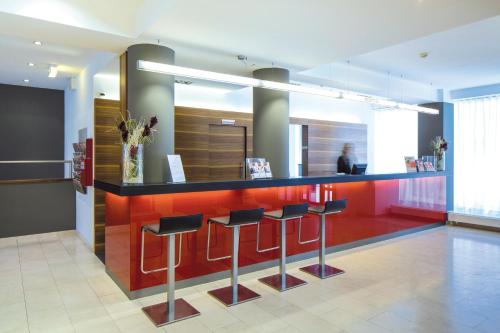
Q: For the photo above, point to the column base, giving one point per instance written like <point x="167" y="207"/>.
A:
<point x="158" y="313"/>
<point x="274" y="281"/>
<point x="316" y="271"/>
<point x="225" y="295"/>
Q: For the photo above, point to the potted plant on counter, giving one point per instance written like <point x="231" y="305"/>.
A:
<point x="439" y="147"/>
<point x="134" y="135"/>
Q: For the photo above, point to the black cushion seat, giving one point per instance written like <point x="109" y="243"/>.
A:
<point x="288" y="212"/>
<point x="239" y="217"/>
<point x="330" y="207"/>
<point x="175" y="224"/>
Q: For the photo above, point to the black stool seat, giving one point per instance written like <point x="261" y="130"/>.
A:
<point x="320" y="269"/>
<point x="174" y="309"/>
<point x="175" y="224"/>
<point x="288" y="212"/>
<point x="240" y="217"/>
<point x="330" y="207"/>
<point x="236" y="293"/>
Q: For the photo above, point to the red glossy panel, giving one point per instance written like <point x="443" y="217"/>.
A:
<point x="374" y="208"/>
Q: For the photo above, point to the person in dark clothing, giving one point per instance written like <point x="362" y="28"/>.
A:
<point x="345" y="161"/>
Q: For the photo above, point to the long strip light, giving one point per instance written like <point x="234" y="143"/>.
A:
<point x="257" y="83"/>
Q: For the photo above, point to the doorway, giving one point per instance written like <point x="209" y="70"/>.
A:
<point x="226" y="152"/>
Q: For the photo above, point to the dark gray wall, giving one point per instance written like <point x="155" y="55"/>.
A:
<point x="430" y="126"/>
<point x="36" y="208"/>
<point x="32" y="127"/>
<point x="152" y="94"/>
<point x="271" y="122"/>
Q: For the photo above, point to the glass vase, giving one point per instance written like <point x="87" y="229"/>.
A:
<point x="440" y="161"/>
<point x="132" y="164"/>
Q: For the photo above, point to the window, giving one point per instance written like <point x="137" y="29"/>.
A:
<point x="477" y="156"/>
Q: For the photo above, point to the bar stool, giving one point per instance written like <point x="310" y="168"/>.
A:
<point x="322" y="270"/>
<point x="283" y="281"/>
<point x="174" y="309"/>
<point x="236" y="293"/>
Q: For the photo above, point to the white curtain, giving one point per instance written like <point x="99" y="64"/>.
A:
<point x="477" y="156"/>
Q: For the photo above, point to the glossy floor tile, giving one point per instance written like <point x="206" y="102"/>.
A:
<point x="441" y="280"/>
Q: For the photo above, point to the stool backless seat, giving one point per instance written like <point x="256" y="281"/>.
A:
<point x="283" y="281"/>
<point x="320" y="269"/>
<point x="236" y="293"/>
<point x="174" y="309"/>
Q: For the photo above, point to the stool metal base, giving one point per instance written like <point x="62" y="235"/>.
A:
<point x="225" y="295"/>
<point x="316" y="271"/>
<point x="274" y="281"/>
<point x="158" y="313"/>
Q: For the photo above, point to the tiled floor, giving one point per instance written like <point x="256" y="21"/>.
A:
<point x="442" y="280"/>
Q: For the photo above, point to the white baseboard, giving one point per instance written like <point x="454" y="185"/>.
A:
<point x="481" y="221"/>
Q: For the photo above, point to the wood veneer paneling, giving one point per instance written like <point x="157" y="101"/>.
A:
<point x="206" y="147"/>
<point x="325" y="140"/>
<point x="107" y="159"/>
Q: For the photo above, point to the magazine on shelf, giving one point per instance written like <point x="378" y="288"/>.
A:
<point x="428" y="166"/>
<point x="420" y="166"/>
<point x="411" y="164"/>
<point x="258" y="168"/>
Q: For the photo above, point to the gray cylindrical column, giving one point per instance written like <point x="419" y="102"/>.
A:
<point x="271" y="121"/>
<point x="152" y="94"/>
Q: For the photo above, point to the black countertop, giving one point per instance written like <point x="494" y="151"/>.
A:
<point x="116" y="187"/>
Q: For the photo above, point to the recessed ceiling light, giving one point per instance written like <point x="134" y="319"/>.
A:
<point x="26" y="81"/>
<point x="37" y="43"/>
<point x="52" y="71"/>
<point x="31" y="64"/>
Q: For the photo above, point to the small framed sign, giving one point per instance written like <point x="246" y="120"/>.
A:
<point x="175" y="169"/>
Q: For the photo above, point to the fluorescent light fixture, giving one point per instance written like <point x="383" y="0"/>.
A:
<point x="31" y="64"/>
<point x="52" y="71"/>
<point x="37" y="43"/>
<point x="157" y="67"/>
<point x="26" y="81"/>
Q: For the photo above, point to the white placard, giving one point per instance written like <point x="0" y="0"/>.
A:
<point x="175" y="169"/>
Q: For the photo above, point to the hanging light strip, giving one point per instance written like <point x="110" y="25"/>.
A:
<point x="257" y="83"/>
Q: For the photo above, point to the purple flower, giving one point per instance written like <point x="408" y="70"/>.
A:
<point x="147" y="131"/>
<point x="153" y="121"/>
<point x="133" y="151"/>
<point x="125" y="136"/>
<point x="122" y="127"/>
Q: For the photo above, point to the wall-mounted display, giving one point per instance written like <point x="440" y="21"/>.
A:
<point x="82" y="165"/>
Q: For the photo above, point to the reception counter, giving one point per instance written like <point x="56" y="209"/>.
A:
<point x="378" y="207"/>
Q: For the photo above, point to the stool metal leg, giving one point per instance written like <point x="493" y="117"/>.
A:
<point x="322" y="270"/>
<point x="236" y="293"/>
<point x="173" y="310"/>
<point x="282" y="281"/>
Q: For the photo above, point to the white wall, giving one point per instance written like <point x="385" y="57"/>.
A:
<point x="78" y="114"/>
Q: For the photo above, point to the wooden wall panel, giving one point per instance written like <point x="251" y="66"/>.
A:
<point x="198" y="143"/>
<point x="107" y="159"/>
<point x="325" y="141"/>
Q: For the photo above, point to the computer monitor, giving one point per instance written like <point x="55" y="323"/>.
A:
<point x="358" y="169"/>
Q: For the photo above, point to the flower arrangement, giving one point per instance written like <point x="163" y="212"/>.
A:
<point x="439" y="146"/>
<point x="134" y="134"/>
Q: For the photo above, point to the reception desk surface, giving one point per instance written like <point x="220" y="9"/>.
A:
<point x="116" y="187"/>
<point x="378" y="207"/>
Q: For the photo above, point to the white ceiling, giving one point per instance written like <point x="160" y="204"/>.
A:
<point x="467" y="56"/>
<point x="296" y="34"/>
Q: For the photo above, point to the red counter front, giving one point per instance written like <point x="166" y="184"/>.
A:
<point x="374" y="208"/>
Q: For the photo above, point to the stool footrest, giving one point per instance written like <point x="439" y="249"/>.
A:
<point x="274" y="281"/>
<point x="158" y="313"/>
<point x="225" y="295"/>
<point x="328" y="271"/>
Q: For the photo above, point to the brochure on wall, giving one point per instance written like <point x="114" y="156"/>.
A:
<point x="411" y="164"/>
<point x="258" y="168"/>
<point x="175" y="169"/>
